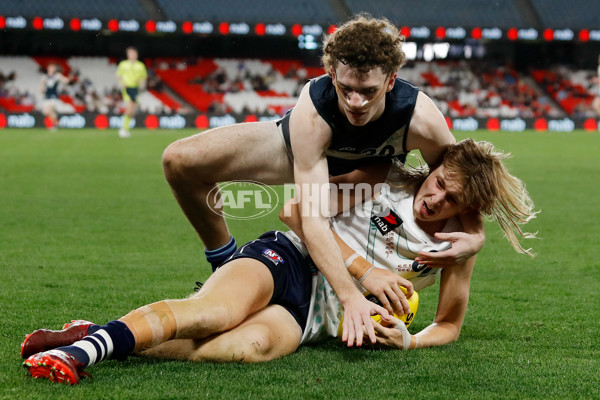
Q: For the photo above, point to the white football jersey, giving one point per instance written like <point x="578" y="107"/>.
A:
<point x="385" y="233"/>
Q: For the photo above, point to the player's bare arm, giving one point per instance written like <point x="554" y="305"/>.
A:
<point x="310" y="136"/>
<point x="382" y="283"/>
<point x="142" y="82"/>
<point x="452" y="306"/>
<point x="65" y="80"/>
<point x="428" y="131"/>
<point x="372" y="175"/>
<point x="462" y="242"/>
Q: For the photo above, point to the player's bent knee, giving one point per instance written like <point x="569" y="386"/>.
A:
<point x="185" y="163"/>
<point x="268" y="341"/>
<point x="173" y="161"/>
<point x="259" y="345"/>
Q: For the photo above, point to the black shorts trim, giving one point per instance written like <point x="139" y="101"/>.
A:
<point x="292" y="275"/>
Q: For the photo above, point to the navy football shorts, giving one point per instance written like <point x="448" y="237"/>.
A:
<point x="292" y="275"/>
<point x="132" y="93"/>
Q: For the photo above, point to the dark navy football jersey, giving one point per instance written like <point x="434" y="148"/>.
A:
<point x="51" y="89"/>
<point x="352" y="146"/>
<point x="379" y="140"/>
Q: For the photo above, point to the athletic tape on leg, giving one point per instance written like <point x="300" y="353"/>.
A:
<point x="151" y="325"/>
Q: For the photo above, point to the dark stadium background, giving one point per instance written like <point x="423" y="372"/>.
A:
<point x="515" y="36"/>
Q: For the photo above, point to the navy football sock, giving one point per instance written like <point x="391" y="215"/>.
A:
<point x="114" y="339"/>
<point x="218" y="256"/>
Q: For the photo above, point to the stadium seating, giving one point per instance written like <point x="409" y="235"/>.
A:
<point x="306" y="11"/>
<point x="94" y="87"/>
<point x="433" y="13"/>
<point x="26" y="83"/>
<point x="181" y="80"/>
<point x="252" y="86"/>
<point x="235" y="88"/>
<point x="574" y="14"/>
<point x="573" y="90"/>
<point x="105" y="9"/>
<point x="461" y="89"/>
<point x="100" y="72"/>
<point x="27" y="73"/>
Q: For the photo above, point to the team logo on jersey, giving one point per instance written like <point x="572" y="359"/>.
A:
<point x="386" y="223"/>
<point x="423" y="269"/>
<point x="416" y="267"/>
<point x="273" y="256"/>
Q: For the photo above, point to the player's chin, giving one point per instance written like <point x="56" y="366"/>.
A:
<point x="357" y="119"/>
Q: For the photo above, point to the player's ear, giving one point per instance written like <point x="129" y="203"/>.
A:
<point x="391" y="81"/>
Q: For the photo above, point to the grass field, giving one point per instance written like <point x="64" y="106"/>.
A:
<point x="90" y="229"/>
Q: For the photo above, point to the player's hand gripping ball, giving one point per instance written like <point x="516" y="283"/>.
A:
<point x="413" y="303"/>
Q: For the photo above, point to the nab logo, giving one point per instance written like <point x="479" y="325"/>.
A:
<point x="273" y="256"/>
<point x="387" y="223"/>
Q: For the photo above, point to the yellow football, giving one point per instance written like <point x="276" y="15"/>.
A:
<point x="413" y="303"/>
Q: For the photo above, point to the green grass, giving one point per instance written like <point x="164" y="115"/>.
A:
<point x="90" y="229"/>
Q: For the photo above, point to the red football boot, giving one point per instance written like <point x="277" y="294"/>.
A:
<point x="45" y="339"/>
<point x="56" y="366"/>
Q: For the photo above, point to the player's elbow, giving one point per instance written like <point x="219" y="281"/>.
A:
<point x="452" y="332"/>
<point x="285" y="215"/>
<point x="282" y="215"/>
<point x="439" y="333"/>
